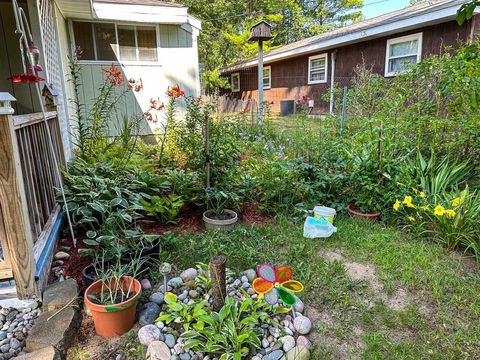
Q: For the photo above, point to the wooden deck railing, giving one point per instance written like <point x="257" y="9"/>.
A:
<point x="28" y="178"/>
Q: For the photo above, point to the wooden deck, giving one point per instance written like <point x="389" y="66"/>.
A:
<point x="29" y="212"/>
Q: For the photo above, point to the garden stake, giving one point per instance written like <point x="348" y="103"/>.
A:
<point x="165" y="269"/>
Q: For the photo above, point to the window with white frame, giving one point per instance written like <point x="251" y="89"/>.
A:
<point x="317" y="69"/>
<point x="267" y="77"/>
<point x="115" y="42"/>
<point x="402" y="53"/>
<point x="235" y="81"/>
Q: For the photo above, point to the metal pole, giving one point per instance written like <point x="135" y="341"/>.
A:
<point x="260" y="82"/>
<point x="207" y="153"/>
<point x="344" y="107"/>
<point x="332" y="80"/>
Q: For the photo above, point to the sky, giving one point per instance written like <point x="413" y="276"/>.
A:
<point x="379" y="7"/>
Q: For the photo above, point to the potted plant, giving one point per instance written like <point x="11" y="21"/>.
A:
<point x="112" y="300"/>
<point x="111" y="245"/>
<point x="217" y="216"/>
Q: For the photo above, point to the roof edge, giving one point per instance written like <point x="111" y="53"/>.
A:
<point x="436" y="16"/>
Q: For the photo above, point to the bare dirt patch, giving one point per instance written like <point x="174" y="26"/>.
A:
<point x="91" y="346"/>
<point x="340" y="347"/>
<point x="398" y="300"/>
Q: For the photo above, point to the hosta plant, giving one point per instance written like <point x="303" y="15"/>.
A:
<point x="163" y="208"/>
<point x="188" y="316"/>
<point x="230" y="332"/>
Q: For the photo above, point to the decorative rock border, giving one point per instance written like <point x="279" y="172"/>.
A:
<point x="15" y="326"/>
<point x="283" y="342"/>
<point x="55" y="328"/>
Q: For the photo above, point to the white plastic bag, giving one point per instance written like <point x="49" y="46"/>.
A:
<point x="317" y="228"/>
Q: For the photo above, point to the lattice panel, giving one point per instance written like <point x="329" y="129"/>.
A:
<point x="51" y="51"/>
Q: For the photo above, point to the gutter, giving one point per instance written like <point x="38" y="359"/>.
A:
<point x="332" y="80"/>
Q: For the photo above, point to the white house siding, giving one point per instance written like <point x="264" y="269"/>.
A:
<point x="63" y="51"/>
<point x="176" y="66"/>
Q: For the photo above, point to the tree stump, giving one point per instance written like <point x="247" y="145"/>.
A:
<point x="219" y="288"/>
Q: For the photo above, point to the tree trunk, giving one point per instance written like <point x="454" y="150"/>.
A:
<point x="219" y="288"/>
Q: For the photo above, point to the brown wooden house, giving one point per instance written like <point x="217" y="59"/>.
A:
<point x="387" y="43"/>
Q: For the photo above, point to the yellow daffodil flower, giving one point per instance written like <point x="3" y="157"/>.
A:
<point x="457" y="201"/>
<point x="422" y="195"/>
<point x="439" y="210"/>
<point x="450" y="213"/>
<point x="425" y="207"/>
<point x="411" y="218"/>
<point x="397" y="205"/>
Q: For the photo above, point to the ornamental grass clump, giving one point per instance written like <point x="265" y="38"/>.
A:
<point x="449" y="218"/>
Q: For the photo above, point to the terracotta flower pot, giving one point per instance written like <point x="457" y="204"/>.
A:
<point x="116" y="319"/>
<point x="353" y="211"/>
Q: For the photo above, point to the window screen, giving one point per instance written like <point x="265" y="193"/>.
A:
<point x="99" y="41"/>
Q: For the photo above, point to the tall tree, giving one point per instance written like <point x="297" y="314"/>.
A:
<point x="226" y="25"/>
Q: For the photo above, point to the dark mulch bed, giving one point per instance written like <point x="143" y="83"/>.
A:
<point x="190" y="221"/>
<point x="250" y="214"/>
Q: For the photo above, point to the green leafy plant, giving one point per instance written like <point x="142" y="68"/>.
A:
<point x="466" y="11"/>
<point x="231" y="331"/>
<point x="100" y="194"/>
<point x="188" y="316"/>
<point x="164" y="208"/>
<point x="113" y="290"/>
<point x="437" y="177"/>
<point x="217" y="200"/>
<point x="204" y="279"/>
<point x="110" y="242"/>
<point x="449" y="218"/>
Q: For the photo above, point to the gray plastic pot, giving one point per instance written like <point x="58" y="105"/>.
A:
<point x="211" y="223"/>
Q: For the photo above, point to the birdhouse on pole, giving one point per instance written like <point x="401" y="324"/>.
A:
<point x="260" y="32"/>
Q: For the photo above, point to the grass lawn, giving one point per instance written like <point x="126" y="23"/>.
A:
<point x="372" y="291"/>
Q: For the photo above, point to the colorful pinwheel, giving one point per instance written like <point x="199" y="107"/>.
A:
<point x="273" y="284"/>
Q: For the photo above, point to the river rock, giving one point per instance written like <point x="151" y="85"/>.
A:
<point x="288" y="343"/>
<point x="302" y="324"/>
<point x="188" y="275"/>
<point x="297" y="353"/>
<point x="61" y="255"/>
<point x="148" y="334"/>
<point x="303" y="341"/>
<point x="158" y="350"/>
<point x="146" y="285"/>
<point x="170" y="340"/>
<point x="148" y="314"/>
<point x="299" y="306"/>
<point x="250" y="274"/>
<point x="175" y="282"/>
<point x="274" y="355"/>
<point x="157" y="298"/>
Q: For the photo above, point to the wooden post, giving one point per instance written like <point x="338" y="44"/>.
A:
<point x="16" y="225"/>
<point x="219" y="286"/>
